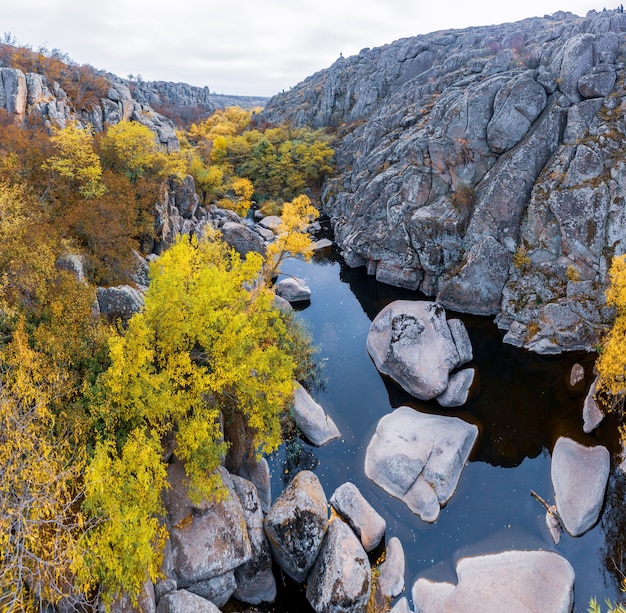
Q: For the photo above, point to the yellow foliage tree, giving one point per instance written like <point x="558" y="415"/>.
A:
<point x="292" y="239"/>
<point x="40" y="476"/>
<point x="611" y="362"/>
<point x="130" y="148"/>
<point x="76" y="161"/>
<point x="208" y="347"/>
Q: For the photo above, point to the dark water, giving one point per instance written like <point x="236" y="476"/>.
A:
<point x="522" y="404"/>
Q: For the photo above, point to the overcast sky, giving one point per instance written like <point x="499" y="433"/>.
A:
<point x="244" y="47"/>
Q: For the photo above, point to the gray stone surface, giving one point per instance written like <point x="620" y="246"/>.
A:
<point x="391" y="572"/>
<point x="182" y="601"/>
<point x="411" y="342"/>
<point x="296" y="524"/>
<point x="368" y="525"/>
<point x="120" y="302"/>
<point x="207" y="540"/>
<point x="418" y="458"/>
<point x="592" y="414"/>
<point x="483" y="167"/>
<point x="340" y="579"/>
<point x="512" y="581"/>
<point x="293" y="290"/>
<point x="311" y="418"/>
<point x="255" y="581"/>
<point x="579" y="477"/>
<point x="458" y="390"/>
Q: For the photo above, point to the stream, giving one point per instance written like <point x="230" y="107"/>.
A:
<point x="522" y="404"/>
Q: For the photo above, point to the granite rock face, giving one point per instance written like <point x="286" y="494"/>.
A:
<point x="482" y="166"/>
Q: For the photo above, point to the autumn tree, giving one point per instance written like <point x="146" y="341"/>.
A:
<point x="292" y="237"/>
<point x="611" y="362"/>
<point x="208" y="348"/>
<point x="130" y="148"/>
<point x="51" y="347"/>
<point x="75" y="161"/>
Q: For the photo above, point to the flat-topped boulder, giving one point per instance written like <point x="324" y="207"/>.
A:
<point x="511" y="581"/>
<point x="579" y="477"/>
<point x="418" y="458"/>
<point x="412" y="342"/>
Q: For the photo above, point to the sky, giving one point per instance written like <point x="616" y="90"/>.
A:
<point x="244" y="47"/>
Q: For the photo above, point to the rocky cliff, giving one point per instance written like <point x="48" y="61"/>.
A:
<point x="483" y="167"/>
<point x="23" y="94"/>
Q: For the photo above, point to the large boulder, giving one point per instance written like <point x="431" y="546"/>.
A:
<point x="207" y="540"/>
<point x="255" y="580"/>
<point x="511" y="581"/>
<point x="418" y="458"/>
<point x="120" y="302"/>
<point x="242" y="238"/>
<point x="296" y="524"/>
<point x="411" y="342"/>
<point x="182" y="601"/>
<point x="293" y="290"/>
<point x="311" y="419"/>
<point x="340" y="580"/>
<point x="579" y="477"/>
<point x="368" y="525"/>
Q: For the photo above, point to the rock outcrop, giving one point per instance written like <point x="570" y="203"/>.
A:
<point x="418" y="458"/>
<point x="512" y="581"/>
<point x="483" y="167"/>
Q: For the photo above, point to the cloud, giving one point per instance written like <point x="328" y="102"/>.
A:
<point x="241" y="46"/>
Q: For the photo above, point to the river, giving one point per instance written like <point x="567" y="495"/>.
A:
<point x="521" y="405"/>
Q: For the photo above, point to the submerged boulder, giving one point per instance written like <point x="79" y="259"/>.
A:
<point x="413" y="343"/>
<point x="579" y="477"/>
<point x="511" y="581"/>
<point x="418" y="458"/>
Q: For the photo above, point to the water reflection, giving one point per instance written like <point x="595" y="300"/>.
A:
<point x="522" y="404"/>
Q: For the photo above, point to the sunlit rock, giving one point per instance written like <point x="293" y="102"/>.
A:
<point x="511" y="581"/>
<point x="579" y="477"/>
<point x="418" y="458"/>
<point x="368" y="525"/>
